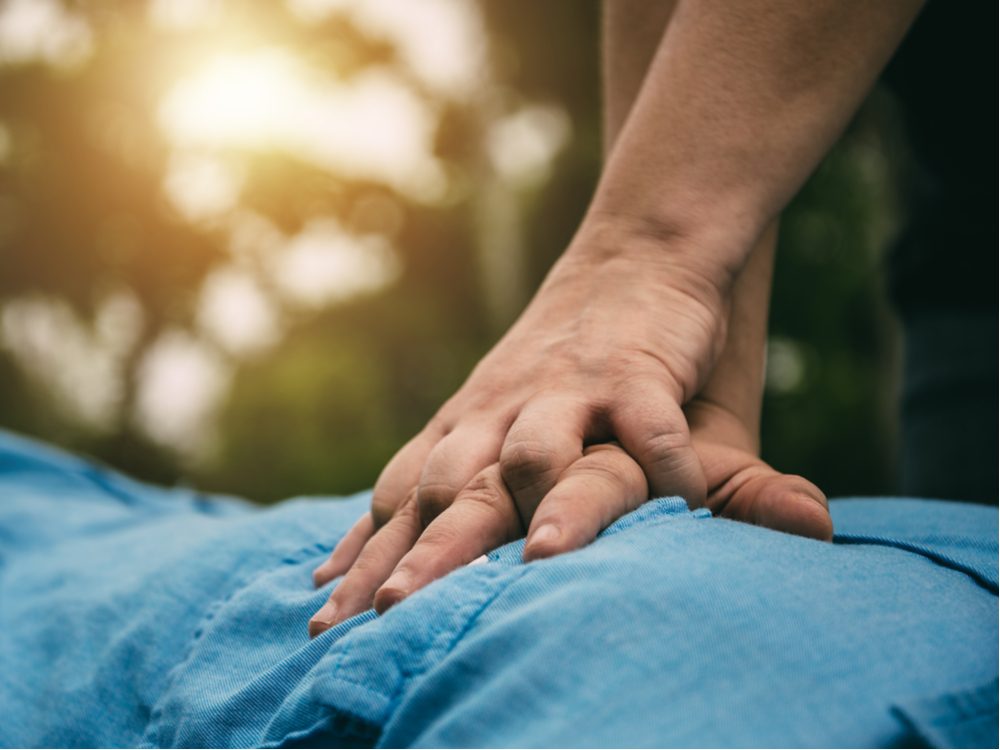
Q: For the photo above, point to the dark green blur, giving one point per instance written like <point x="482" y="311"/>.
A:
<point x="345" y="387"/>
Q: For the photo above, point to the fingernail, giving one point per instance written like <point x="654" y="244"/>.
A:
<point x="480" y="560"/>
<point x="398" y="583"/>
<point x="323" y="620"/>
<point x="543" y="534"/>
<point x="534" y="548"/>
<point x="392" y="592"/>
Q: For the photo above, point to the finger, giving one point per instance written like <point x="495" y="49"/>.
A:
<point x="593" y="493"/>
<point x="653" y="430"/>
<point x="402" y="473"/>
<point x="482" y="518"/>
<point x="455" y="460"/>
<point x="397" y="479"/>
<point x="785" y="502"/>
<point x="753" y="492"/>
<point x="346" y="551"/>
<point x="380" y="555"/>
<point x="545" y="439"/>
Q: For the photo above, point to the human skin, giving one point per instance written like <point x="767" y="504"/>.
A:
<point x="736" y="107"/>
<point x="599" y="487"/>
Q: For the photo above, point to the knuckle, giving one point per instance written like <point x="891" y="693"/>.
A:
<point x="526" y="462"/>
<point x="440" y="424"/>
<point x="386" y="505"/>
<point x="484" y="490"/>
<point x="433" y="498"/>
<point x="662" y="446"/>
<point x="488" y="495"/>
<point x="382" y="510"/>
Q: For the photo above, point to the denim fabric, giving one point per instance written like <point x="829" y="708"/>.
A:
<point x="133" y="615"/>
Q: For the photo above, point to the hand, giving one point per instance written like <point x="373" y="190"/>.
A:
<point x="623" y="331"/>
<point x="601" y="486"/>
<point x="385" y="566"/>
<point x="620" y="335"/>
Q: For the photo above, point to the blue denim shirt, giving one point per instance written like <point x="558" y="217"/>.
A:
<point x="134" y="615"/>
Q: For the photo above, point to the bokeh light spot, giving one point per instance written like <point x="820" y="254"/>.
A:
<point x="324" y="264"/>
<point x="43" y="31"/>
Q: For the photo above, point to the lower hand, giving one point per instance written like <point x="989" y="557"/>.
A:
<point x="382" y="567"/>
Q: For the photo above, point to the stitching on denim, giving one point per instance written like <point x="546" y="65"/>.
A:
<point x="918" y="549"/>
<point x="439" y="634"/>
<point x="404" y="675"/>
<point x="435" y="655"/>
<point x="385" y="697"/>
<point x="151" y="734"/>
<point x="338" y="662"/>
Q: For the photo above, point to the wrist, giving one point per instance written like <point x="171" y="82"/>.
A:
<point x="737" y="382"/>
<point x="713" y="251"/>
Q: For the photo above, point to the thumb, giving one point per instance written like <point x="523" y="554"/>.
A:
<point x="744" y="488"/>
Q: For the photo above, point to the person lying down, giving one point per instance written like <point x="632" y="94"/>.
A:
<point x="134" y="615"/>
<point x="672" y="589"/>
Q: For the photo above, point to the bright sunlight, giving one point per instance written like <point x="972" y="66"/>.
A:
<point x="372" y="127"/>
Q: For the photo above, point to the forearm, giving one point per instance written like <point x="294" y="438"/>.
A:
<point x="739" y="103"/>
<point x="632" y="32"/>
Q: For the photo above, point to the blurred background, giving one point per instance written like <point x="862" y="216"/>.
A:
<point x="253" y="246"/>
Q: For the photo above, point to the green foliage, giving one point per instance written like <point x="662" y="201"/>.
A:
<point x="82" y="213"/>
<point x="837" y="424"/>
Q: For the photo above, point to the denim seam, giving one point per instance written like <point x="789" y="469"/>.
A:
<point x="383" y="696"/>
<point x="917" y="549"/>
<point x="151" y="735"/>
<point x="335" y="668"/>
<point x="437" y="634"/>
<point x="435" y="655"/>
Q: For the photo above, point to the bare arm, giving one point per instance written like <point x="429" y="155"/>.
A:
<point x="739" y="104"/>
<point x="724" y="417"/>
<point x="631" y="33"/>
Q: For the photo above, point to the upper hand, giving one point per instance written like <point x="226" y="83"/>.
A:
<point x="384" y="566"/>
<point x="621" y="334"/>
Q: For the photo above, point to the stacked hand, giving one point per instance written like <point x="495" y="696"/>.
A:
<point x="383" y="566"/>
<point x="713" y="120"/>
<point x="574" y="419"/>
